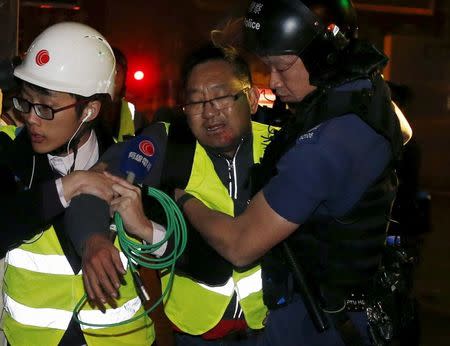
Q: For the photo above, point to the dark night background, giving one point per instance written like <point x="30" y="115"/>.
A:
<point x="415" y="34"/>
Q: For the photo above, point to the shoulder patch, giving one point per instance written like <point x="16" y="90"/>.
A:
<point x="311" y="136"/>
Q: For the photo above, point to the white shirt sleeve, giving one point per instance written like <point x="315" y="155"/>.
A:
<point x="159" y="232"/>
<point x="60" y="189"/>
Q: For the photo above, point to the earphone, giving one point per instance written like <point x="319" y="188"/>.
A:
<point x="88" y="115"/>
<point x="86" y="118"/>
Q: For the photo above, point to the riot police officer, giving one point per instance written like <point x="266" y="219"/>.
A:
<point x="327" y="180"/>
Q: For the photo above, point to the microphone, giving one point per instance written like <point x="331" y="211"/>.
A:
<point x="138" y="158"/>
<point x="137" y="161"/>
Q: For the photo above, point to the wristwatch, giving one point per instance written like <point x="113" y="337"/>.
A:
<point x="183" y="199"/>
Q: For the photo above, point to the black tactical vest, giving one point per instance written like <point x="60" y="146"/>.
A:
<point x="344" y="252"/>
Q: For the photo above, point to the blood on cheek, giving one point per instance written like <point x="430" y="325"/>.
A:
<point x="226" y="136"/>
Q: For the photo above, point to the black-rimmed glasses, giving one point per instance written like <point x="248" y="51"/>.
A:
<point x="221" y="102"/>
<point x="42" y="111"/>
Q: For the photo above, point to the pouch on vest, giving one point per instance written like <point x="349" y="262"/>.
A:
<point x="277" y="282"/>
<point x="392" y="308"/>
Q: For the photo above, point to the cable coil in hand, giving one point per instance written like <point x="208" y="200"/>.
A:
<point x="138" y="253"/>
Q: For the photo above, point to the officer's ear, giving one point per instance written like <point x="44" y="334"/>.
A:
<point x="253" y="99"/>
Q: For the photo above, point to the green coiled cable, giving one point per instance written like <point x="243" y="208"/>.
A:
<point x="136" y="253"/>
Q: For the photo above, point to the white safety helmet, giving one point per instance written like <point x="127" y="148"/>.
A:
<point x="72" y="58"/>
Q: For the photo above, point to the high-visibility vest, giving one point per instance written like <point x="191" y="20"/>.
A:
<point x="10" y="130"/>
<point x="126" y="127"/>
<point x="41" y="291"/>
<point x="194" y="307"/>
<point x="34" y="318"/>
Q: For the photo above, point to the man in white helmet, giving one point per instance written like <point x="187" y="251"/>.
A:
<point x="67" y="80"/>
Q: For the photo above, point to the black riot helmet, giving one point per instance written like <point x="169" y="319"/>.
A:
<point x="315" y="30"/>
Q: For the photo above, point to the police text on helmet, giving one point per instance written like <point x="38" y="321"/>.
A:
<point x="251" y="24"/>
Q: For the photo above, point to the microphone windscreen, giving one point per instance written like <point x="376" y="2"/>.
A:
<point x="138" y="157"/>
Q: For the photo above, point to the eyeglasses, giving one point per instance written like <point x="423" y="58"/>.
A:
<point x="42" y="111"/>
<point x="221" y="102"/>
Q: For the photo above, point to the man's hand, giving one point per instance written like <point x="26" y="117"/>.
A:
<point x="128" y="203"/>
<point x="89" y="182"/>
<point x="99" y="167"/>
<point x="102" y="270"/>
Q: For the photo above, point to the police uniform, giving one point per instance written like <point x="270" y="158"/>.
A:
<point x="332" y="169"/>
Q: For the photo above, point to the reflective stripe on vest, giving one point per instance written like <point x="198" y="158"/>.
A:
<point x="248" y="285"/>
<point x="224" y="290"/>
<point x="126" y="127"/>
<point x="244" y="287"/>
<point x="48" y="318"/>
<point x="120" y="314"/>
<point x="60" y="319"/>
<point x="49" y="264"/>
<point x="10" y="130"/>
<point x="41" y="292"/>
<point x="192" y="306"/>
<point x="132" y="109"/>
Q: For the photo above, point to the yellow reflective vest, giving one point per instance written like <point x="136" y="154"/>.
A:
<point x="41" y="291"/>
<point x="40" y="294"/>
<point x="10" y="130"/>
<point x="195" y="307"/>
<point x="126" y="126"/>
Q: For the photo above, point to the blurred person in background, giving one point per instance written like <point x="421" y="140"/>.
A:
<point x="124" y="121"/>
